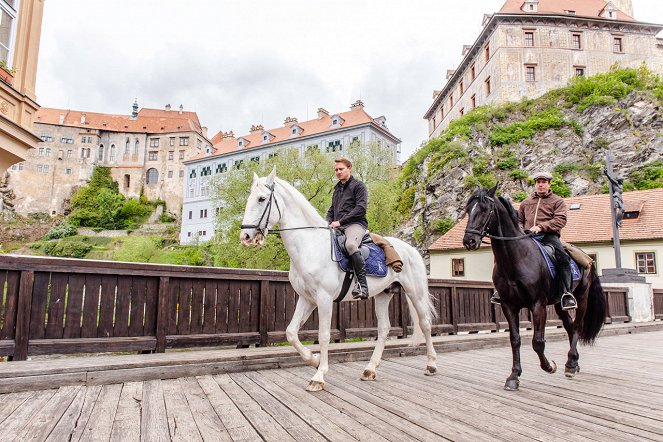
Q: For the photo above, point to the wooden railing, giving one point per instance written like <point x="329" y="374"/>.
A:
<point x="65" y="306"/>
<point x="658" y="303"/>
<point x="617" y="302"/>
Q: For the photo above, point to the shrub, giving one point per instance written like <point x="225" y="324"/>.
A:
<point x="76" y="247"/>
<point x="520" y="196"/>
<point x="167" y="218"/>
<point x="518" y="174"/>
<point x="62" y="230"/>
<point x="564" y="168"/>
<point x="407" y="200"/>
<point x="443" y="225"/>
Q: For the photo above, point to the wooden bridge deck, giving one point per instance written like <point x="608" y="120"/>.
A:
<point x="617" y="396"/>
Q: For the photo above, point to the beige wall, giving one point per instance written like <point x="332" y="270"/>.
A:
<point x="479" y="264"/>
<point x="554" y="61"/>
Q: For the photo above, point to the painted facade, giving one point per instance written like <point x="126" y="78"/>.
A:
<point x="331" y="133"/>
<point x="530" y="47"/>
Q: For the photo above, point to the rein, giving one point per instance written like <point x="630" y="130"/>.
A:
<point x="484" y="230"/>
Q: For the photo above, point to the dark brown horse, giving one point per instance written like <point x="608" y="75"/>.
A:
<point x="521" y="277"/>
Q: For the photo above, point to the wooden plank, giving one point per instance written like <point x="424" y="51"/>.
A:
<point x="11" y="402"/>
<point x="9" y="310"/>
<point x="222" y="299"/>
<point x="154" y="422"/>
<point x="197" y="303"/>
<point x="181" y="425"/>
<point x="91" y="306"/>
<point x="264" y="424"/>
<point x="100" y="423"/>
<point x="163" y="313"/>
<point x="137" y="309"/>
<point x="90" y="345"/>
<point x="151" y="305"/>
<point x="173" y="305"/>
<point x="233" y="306"/>
<point x="56" y="306"/>
<point x="70" y="427"/>
<point x="14" y="425"/>
<point x="72" y="326"/>
<point x="126" y="425"/>
<point x="39" y="305"/>
<point x="209" y="424"/>
<point x="107" y="306"/>
<point x="239" y="428"/>
<point x="184" y="307"/>
<point x="122" y="306"/>
<point x="23" y="315"/>
<point x="45" y="419"/>
<point x="212" y="339"/>
<point x="264" y="306"/>
<point x="209" y="307"/>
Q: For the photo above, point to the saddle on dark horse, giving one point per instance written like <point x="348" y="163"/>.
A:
<point x="548" y="253"/>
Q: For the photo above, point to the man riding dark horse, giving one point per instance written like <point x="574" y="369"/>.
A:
<point x="348" y="214"/>
<point x="544" y="214"/>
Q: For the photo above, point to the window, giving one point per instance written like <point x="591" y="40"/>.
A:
<point x="181" y="173"/>
<point x="580" y="72"/>
<point x="152" y="176"/>
<point x="451" y="101"/>
<point x="458" y="267"/>
<point x="617" y="45"/>
<point x="460" y="87"/>
<point x="112" y="152"/>
<point x="67" y="140"/>
<point x="181" y="154"/>
<point x="462" y="111"/>
<point x="101" y="152"/>
<point x="334" y="146"/>
<point x="46" y="138"/>
<point x="529" y="38"/>
<point x="171" y="154"/>
<point x="152" y="155"/>
<point x="472" y="73"/>
<point x="171" y="141"/>
<point x="441" y="111"/>
<point x="530" y="73"/>
<point x="60" y="154"/>
<point x="48" y="151"/>
<point x="238" y="164"/>
<point x="188" y="234"/>
<point x="41" y="151"/>
<point x="184" y="141"/>
<point x="170" y="174"/>
<point x="294" y="131"/>
<point x="70" y="153"/>
<point x="335" y="121"/>
<point x="67" y="171"/>
<point x="486" y="52"/>
<point x="7" y="22"/>
<point x="203" y="213"/>
<point x="154" y="142"/>
<point x="255" y="159"/>
<point x="20" y="166"/>
<point x="488" y="90"/>
<point x="575" y="41"/>
<point x="190" y="217"/>
<point x="646" y="262"/>
<point x="136" y="146"/>
<point x="126" y="146"/>
<point x="473" y="100"/>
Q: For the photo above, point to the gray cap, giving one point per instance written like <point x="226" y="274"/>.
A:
<point x="542" y="176"/>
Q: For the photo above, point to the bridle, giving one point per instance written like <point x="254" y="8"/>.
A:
<point x="483" y="232"/>
<point x="268" y="211"/>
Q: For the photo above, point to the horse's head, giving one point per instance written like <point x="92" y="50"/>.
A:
<point x="480" y="211"/>
<point x="262" y="211"/>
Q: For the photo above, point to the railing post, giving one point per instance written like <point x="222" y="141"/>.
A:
<point x="264" y="312"/>
<point x="162" y="313"/>
<point x="404" y="311"/>
<point x="455" y="308"/>
<point x="341" y="319"/>
<point x="21" y="336"/>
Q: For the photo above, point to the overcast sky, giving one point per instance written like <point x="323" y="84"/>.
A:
<point x="242" y="62"/>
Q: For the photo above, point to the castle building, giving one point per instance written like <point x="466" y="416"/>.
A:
<point x="19" y="50"/>
<point x="145" y="152"/>
<point x="532" y="46"/>
<point x="330" y="133"/>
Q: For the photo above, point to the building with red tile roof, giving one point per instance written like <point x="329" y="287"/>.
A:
<point x="588" y="226"/>
<point x="531" y="46"/>
<point x="331" y="133"/>
<point x="145" y="151"/>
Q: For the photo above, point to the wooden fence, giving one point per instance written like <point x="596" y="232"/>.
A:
<point x="64" y="306"/>
<point x="658" y="303"/>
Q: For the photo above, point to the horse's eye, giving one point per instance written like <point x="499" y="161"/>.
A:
<point x="261" y="199"/>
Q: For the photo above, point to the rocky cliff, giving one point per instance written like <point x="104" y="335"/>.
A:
<point x="567" y="131"/>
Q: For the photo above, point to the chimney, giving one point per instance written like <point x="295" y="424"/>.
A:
<point x="466" y="49"/>
<point x="61" y="120"/>
<point x="289" y="120"/>
<point x="450" y="73"/>
<point x="181" y="109"/>
<point x="168" y="107"/>
<point x="204" y="128"/>
<point x="322" y="112"/>
<point x="436" y="93"/>
<point x="256" y="128"/>
<point x="83" y="118"/>
<point x="357" y="105"/>
<point x="229" y="134"/>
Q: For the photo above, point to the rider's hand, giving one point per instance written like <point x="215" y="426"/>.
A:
<point x="335" y="225"/>
<point x="535" y="229"/>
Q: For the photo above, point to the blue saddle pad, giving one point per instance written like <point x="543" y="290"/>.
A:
<point x="575" y="271"/>
<point x="376" y="264"/>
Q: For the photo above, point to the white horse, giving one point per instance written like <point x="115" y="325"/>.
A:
<point x="317" y="280"/>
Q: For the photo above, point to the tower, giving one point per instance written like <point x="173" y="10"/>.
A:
<point x="626" y="6"/>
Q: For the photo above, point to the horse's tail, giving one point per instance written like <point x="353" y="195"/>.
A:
<point x="596" y="309"/>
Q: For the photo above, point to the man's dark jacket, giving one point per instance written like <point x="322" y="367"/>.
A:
<point x="349" y="203"/>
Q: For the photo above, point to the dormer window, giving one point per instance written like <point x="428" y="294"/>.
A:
<point x="265" y="138"/>
<point x="335" y="121"/>
<point x="240" y="143"/>
<point x="570" y="12"/>
<point x="294" y="131"/>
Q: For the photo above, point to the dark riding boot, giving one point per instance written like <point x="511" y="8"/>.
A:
<point x="359" y="267"/>
<point x="495" y="298"/>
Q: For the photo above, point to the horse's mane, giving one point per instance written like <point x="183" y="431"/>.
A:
<point x="510" y="210"/>
<point x="310" y="213"/>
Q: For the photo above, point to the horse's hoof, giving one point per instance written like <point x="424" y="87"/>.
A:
<point x="369" y="375"/>
<point x="570" y="372"/>
<point x="430" y="371"/>
<point x="512" y="385"/>
<point x="315" y="360"/>
<point x="315" y="386"/>
<point x="553" y="367"/>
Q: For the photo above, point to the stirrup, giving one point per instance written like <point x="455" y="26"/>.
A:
<point x="357" y="292"/>
<point x="571" y="302"/>
<point x="495" y="298"/>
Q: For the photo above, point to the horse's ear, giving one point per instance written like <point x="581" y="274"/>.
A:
<point x="491" y="192"/>
<point x="255" y="178"/>
<point x="272" y="175"/>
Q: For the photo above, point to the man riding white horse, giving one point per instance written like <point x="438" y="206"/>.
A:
<point x="348" y="214"/>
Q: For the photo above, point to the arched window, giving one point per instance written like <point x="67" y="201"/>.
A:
<point x="127" y="181"/>
<point x="101" y="152"/>
<point x="126" y="146"/>
<point x="112" y="152"/>
<point x="136" y="146"/>
<point x="152" y="176"/>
